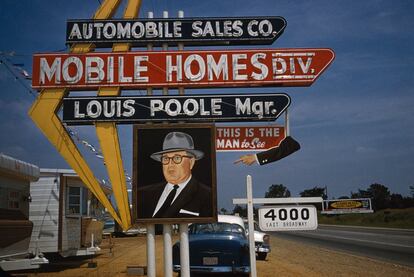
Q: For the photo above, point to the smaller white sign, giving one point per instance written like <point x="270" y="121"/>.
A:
<point x="288" y="218"/>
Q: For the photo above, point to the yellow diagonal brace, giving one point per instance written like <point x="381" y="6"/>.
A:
<point x="108" y="137"/>
<point x="43" y="113"/>
<point x="106" y="10"/>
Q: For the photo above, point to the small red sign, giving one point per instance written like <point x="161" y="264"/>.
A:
<point x="256" y="138"/>
<point x="197" y="69"/>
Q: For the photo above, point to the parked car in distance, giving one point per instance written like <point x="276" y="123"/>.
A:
<point x="111" y="229"/>
<point x="261" y="240"/>
<point x="135" y="230"/>
<point x="220" y="247"/>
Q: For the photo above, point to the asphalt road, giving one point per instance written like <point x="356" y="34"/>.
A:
<point x="392" y="245"/>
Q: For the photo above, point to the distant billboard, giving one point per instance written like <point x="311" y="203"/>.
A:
<point x="344" y="206"/>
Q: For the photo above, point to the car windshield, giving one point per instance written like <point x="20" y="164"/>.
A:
<point x="219" y="227"/>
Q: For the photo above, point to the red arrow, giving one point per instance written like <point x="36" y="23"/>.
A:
<point x="196" y="69"/>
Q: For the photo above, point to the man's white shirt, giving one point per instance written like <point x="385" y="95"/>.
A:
<point x="167" y="189"/>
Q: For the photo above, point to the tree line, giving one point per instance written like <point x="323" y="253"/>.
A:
<point x="381" y="196"/>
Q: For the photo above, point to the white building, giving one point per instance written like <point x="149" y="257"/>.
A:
<point x="65" y="214"/>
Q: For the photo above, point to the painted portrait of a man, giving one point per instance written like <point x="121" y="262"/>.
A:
<point x="175" y="173"/>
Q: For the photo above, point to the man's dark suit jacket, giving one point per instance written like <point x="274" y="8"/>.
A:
<point x="195" y="198"/>
<point x="286" y="147"/>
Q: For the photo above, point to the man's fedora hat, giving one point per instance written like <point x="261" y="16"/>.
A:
<point x="178" y="141"/>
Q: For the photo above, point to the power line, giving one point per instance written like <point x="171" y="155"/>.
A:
<point x="8" y="65"/>
<point x="11" y="67"/>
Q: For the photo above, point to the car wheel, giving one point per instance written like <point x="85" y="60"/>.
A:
<point x="261" y="256"/>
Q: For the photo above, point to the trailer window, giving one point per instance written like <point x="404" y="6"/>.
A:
<point x="14" y="196"/>
<point x="77" y="201"/>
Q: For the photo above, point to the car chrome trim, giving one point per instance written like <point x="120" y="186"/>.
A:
<point x="263" y="250"/>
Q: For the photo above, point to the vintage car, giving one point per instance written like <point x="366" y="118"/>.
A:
<point x="261" y="240"/>
<point x="220" y="247"/>
<point x="112" y="228"/>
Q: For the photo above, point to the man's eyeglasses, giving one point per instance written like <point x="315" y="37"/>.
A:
<point x="177" y="159"/>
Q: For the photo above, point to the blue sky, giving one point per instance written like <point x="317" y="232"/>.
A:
<point x="355" y="123"/>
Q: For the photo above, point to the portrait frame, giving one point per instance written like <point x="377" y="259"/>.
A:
<point x="148" y="139"/>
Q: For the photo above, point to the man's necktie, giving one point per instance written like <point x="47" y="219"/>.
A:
<point x="167" y="202"/>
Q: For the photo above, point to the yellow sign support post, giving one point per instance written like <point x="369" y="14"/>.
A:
<point x="43" y="113"/>
<point x="108" y="136"/>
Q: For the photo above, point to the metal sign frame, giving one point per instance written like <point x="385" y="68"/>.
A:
<point x="250" y="201"/>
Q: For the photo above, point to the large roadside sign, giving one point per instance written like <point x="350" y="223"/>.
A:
<point x="248" y="138"/>
<point x="191" y="31"/>
<point x="288" y="218"/>
<point x="205" y="108"/>
<point x="171" y="69"/>
<point x="55" y="74"/>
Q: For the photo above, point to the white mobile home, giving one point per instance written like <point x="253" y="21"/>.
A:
<point x="67" y="218"/>
<point x="15" y="226"/>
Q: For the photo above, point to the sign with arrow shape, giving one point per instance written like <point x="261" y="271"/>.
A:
<point x="191" y="31"/>
<point x="197" y="108"/>
<point x="172" y="69"/>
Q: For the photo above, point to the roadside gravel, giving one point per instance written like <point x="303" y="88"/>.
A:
<point x="287" y="258"/>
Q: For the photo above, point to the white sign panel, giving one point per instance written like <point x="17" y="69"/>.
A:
<point x="288" y="218"/>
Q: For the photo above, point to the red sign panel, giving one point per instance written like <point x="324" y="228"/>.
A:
<point x="197" y="69"/>
<point x="255" y="138"/>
